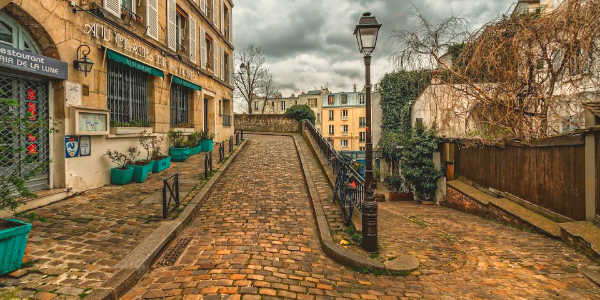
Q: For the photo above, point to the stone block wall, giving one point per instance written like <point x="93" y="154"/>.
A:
<point x="266" y="123"/>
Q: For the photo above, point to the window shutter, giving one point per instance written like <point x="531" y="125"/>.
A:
<point x="203" y="6"/>
<point x="222" y="63"/>
<point x="215" y="56"/>
<point x="231" y="67"/>
<point x="222" y="17"/>
<point x="172" y="24"/>
<point x="231" y="25"/>
<point x="214" y="12"/>
<point x="152" y="18"/>
<point x="193" y="43"/>
<point x="113" y="6"/>
<point x="203" y="53"/>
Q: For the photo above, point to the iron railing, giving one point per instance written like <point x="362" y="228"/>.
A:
<point x="170" y="193"/>
<point x="350" y="186"/>
<point x="227" y="120"/>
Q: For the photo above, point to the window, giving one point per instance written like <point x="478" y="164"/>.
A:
<point x="345" y="114"/>
<point x="362" y="137"/>
<point x="331" y="113"/>
<point x="362" y="122"/>
<point x="330" y="99"/>
<point x="344" y="143"/>
<point x="256" y="105"/>
<point x="128" y="5"/>
<point x="345" y="128"/>
<point x="14" y="35"/>
<point x="282" y="105"/>
<point x="312" y="102"/>
<point x="181" y="22"/>
<point x="344" y="98"/>
<point x="127" y="94"/>
<point x="361" y="98"/>
<point x="226" y="17"/>
<point x="210" y="53"/>
<point x="331" y="130"/>
<point x="419" y="123"/>
<point x="180" y="106"/>
<point x="227" y="72"/>
<point x="362" y="149"/>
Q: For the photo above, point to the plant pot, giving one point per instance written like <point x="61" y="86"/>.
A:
<point x="401" y="196"/>
<point x="140" y="171"/>
<point x="161" y="164"/>
<point x="179" y="154"/>
<point x="196" y="150"/>
<point x="207" y="145"/>
<point x="13" y="241"/>
<point x="121" y="176"/>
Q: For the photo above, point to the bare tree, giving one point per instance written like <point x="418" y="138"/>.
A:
<point x="522" y="74"/>
<point x="267" y="88"/>
<point x="252" y="71"/>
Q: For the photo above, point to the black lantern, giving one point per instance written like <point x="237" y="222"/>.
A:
<point x="366" y="32"/>
<point x="83" y="63"/>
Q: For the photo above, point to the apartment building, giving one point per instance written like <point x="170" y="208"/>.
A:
<point x="344" y="121"/>
<point x="104" y="71"/>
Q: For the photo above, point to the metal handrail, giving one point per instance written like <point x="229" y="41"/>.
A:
<point x="339" y="165"/>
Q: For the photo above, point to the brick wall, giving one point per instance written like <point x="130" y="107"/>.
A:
<point x="266" y="123"/>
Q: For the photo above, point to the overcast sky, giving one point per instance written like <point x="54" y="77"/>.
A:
<point x="309" y="43"/>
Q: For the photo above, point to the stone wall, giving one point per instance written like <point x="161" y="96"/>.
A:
<point x="266" y="123"/>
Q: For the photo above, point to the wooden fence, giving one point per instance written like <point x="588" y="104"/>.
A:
<point x="549" y="174"/>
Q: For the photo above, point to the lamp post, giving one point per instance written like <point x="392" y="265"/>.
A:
<point x="366" y="32"/>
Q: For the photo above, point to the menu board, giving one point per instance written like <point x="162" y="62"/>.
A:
<point x="91" y="123"/>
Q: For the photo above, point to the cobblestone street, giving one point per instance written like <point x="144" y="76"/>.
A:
<point x="255" y="238"/>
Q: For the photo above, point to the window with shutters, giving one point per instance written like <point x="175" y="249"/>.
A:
<point x="181" y="32"/>
<point x="226" y="27"/>
<point x="344" y="128"/>
<point x="210" y="53"/>
<point x="362" y="137"/>
<point x="180" y="106"/>
<point x="283" y="105"/>
<point x="331" y="115"/>
<point x="345" y="114"/>
<point x="331" y="130"/>
<point x="227" y="72"/>
<point x="330" y="100"/>
<point x="152" y="18"/>
<point x="127" y="95"/>
<point x="362" y="122"/>
<point x="344" y="143"/>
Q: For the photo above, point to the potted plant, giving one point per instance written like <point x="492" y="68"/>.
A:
<point x="141" y="168"/>
<point x="195" y="143"/>
<point x="207" y="142"/>
<point x="179" y="150"/>
<point x="14" y="233"/>
<point x="398" y="190"/>
<point x="161" y="161"/>
<point x="123" y="173"/>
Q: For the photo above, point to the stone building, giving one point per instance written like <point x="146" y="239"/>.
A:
<point x="343" y="121"/>
<point x="157" y="66"/>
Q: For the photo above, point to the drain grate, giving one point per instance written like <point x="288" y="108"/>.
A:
<point x="173" y="253"/>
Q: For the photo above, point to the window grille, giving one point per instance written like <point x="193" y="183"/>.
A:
<point x="180" y="105"/>
<point x="127" y="95"/>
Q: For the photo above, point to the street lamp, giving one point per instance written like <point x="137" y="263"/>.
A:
<point x="366" y="32"/>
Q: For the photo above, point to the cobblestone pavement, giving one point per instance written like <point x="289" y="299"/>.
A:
<point x="256" y="239"/>
<point x="75" y="244"/>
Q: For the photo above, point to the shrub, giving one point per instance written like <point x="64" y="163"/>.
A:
<point x="301" y="112"/>
<point x="416" y="161"/>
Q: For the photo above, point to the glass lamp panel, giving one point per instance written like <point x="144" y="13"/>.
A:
<point x="368" y="37"/>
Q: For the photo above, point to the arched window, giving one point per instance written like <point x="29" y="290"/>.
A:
<point x="13" y="34"/>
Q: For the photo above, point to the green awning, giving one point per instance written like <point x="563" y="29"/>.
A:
<point x="186" y="83"/>
<point x="134" y="63"/>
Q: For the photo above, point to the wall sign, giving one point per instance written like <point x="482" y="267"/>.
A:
<point x="104" y="33"/>
<point x="25" y="61"/>
<point x="90" y="121"/>
<point x="72" y="93"/>
<point x="85" y="145"/>
<point x="71" y="146"/>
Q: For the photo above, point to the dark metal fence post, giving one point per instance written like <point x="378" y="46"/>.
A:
<point x="230" y="144"/>
<point x="206" y="167"/>
<point x="172" y="195"/>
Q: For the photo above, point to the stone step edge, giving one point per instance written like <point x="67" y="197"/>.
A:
<point x="583" y="235"/>
<point x="534" y="219"/>
<point x="131" y="268"/>
<point x="338" y="253"/>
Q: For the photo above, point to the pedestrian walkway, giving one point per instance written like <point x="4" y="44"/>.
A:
<point x="75" y="244"/>
<point x="255" y="238"/>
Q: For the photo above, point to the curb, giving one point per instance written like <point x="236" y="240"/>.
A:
<point x="131" y="268"/>
<point x="335" y="251"/>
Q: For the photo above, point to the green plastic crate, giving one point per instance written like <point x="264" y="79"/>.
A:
<point x="13" y="242"/>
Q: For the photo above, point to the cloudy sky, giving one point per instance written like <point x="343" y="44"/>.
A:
<point x="309" y="43"/>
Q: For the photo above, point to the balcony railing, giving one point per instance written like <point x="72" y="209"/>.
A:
<point x="227" y="120"/>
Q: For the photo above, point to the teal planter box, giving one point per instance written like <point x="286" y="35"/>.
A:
<point x="161" y="165"/>
<point x="207" y="145"/>
<point x="140" y="173"/>
<point x="196" y="150"/>
<point x="13" y="242"/>
<point x="121" y="176"/>
<point x="179" y="154"/>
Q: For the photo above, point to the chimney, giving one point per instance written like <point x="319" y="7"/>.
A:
<point x="355" y="87"/>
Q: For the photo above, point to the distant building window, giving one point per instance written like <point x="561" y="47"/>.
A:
<point x="331" y="115"/>
<point x="344" y="98"/>
<point x="282" y="105"/>
<point x="312" y="102"/>
<point x="362" y="122"/>
<point x="345" y="128"/>
<point x="361" y="98"/>
<point x="330" y="100"/>
<point x="362" y="149"/>
<point x="256" y="105"/>
<point x="181" y="29"/>
<point x="331" y="130"/>
<point x="345" y="114"/>
<point x="362" y="137"/>
<point x="344" y="143"/>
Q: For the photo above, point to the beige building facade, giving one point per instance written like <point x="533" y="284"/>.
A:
<point x="278" y="105"/>
<point x="157" y="66"/>
<point x="343" y="121"/>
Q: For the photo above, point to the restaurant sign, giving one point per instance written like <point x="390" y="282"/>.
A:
<point x="25" y="61"/>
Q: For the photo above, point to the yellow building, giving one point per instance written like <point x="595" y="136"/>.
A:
<point x="157" y="66"/>
<point x="343" y="121"/>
